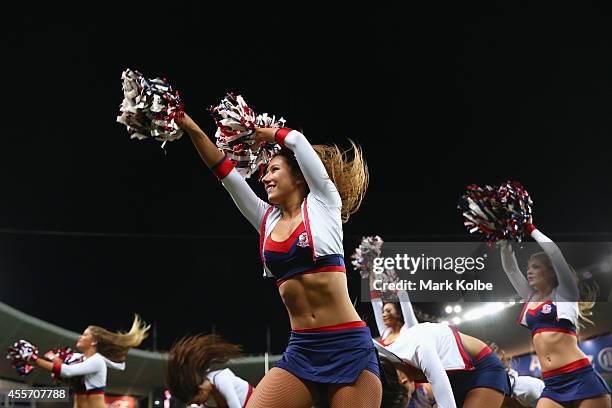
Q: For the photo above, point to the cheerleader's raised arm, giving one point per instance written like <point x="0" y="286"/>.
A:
<point x="568" y="283"/>
<point x="252" y="207"/>
<point x="310" y="163"/>
<point x="510" y="265"/>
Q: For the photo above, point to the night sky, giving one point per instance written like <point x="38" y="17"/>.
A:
<point x="95" y="226"/>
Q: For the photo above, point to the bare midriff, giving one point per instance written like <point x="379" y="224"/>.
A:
<point x="317" y="299"/>
<point x="556" y="349"/>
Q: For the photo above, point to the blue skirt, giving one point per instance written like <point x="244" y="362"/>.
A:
<point x="330" y="356"/>
<point x="576" y="385"/>
<point x="489" y="372"/>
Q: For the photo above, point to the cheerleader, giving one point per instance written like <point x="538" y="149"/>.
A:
<point x="551" y="314"/>
<point x="311" y="190"/>
<point x="461" y="369"/>
<point x="100" y="349"/>
<point x="190" y="377"/>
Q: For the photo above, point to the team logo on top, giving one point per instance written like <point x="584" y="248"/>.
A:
<point x="546" y="309"/>
<point x="303" y="240"/>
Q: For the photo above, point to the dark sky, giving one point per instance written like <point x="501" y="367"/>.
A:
<point x="439" y="96"/>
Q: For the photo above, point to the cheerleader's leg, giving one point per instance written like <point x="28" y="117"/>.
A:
<point x="483" y="397"/>
<point x="366" y="392"/>
<point x="280" y="389"/>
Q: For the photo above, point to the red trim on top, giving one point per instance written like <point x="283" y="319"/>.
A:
<point x="280" y="135"/>
<point x="530" y="228"/>
<point x="464" y="355"/>
<point x="520" y="319"/>
<point x="552" y="329"/>
<point x="483" y="353"/>
<point x="262" y="234"/>
<point x="374" y="294"/>
<point x="342" y="326"/>
<point x="331" y="268"/>
<point x="568" y="368"/>
<point x="384" y="343"/>
<point x="308" y="232"/>
<point x="249" y="393"/>
<point x="57" y="368"/>
<point x="223" y="168"/>
<point x="284" y="246"/>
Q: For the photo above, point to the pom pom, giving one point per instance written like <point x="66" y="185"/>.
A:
<point x="363" y="257"/>
<point x="497" y="212"/>
<point x="63" y="353"/>
<point x="66" y="356"/>
<point x="363" y="260"/>
<point x="150" y="108"/>
<point x="236" y="123"/>
<point x="21" y="354"/>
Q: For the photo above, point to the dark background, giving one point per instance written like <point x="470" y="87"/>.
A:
<point x="95" y="226"/>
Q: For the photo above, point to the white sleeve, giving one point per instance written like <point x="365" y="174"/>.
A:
<point x="568" y="284"/>
<point x="510" y="265"/>
<point x="377" y="306"/>
<point x="224" y="381"/>
<point x="429" y="362"/>
<point x="252" y="207"/>
<point x="114" y="365"/>
<point x="89" y="366"/>
<point x="410" y="318"/>
<point x="319" y="183"/>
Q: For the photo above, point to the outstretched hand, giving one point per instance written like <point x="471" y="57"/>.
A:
<point x="263" y="135"/>
<point x="185" y="122"/>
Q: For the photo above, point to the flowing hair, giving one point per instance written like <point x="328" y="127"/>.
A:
<point x="115" y="346"/>
<point x="190" y="358"/>
<point x="587" y="292"/>
<point x="347" y="169"/>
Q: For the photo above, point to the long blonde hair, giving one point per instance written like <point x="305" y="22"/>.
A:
<point x="587" y="292"/>
<point x="347" y="169"/>
<point x="115" y="346"/>
<point x="349" y="174"/>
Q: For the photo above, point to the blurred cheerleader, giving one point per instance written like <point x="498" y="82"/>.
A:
<point x="100" y="349"/>
<point x="194" y="373"/>
<point x="551" y="313"/>
<point x="462" y="370"/>
<point x="311" y="191"/>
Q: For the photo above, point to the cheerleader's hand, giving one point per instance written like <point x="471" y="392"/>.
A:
<point x="263" y="135"/>
<point x="185" y="122"/>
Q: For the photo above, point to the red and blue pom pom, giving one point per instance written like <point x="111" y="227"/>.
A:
<point x="22" y="353"/>
<point x="236" y="122"/>
<point x="497" y="212"/>
<point x="364" y="255"/>
<point x="150" y="108"/>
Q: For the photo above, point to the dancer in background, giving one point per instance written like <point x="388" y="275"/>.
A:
<point x="194" y="373"/>
<point x="311" y="190"/>
<point x="101" y="349"/>
<point x="551" y="313"/>
<point x="462" y="370"/>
